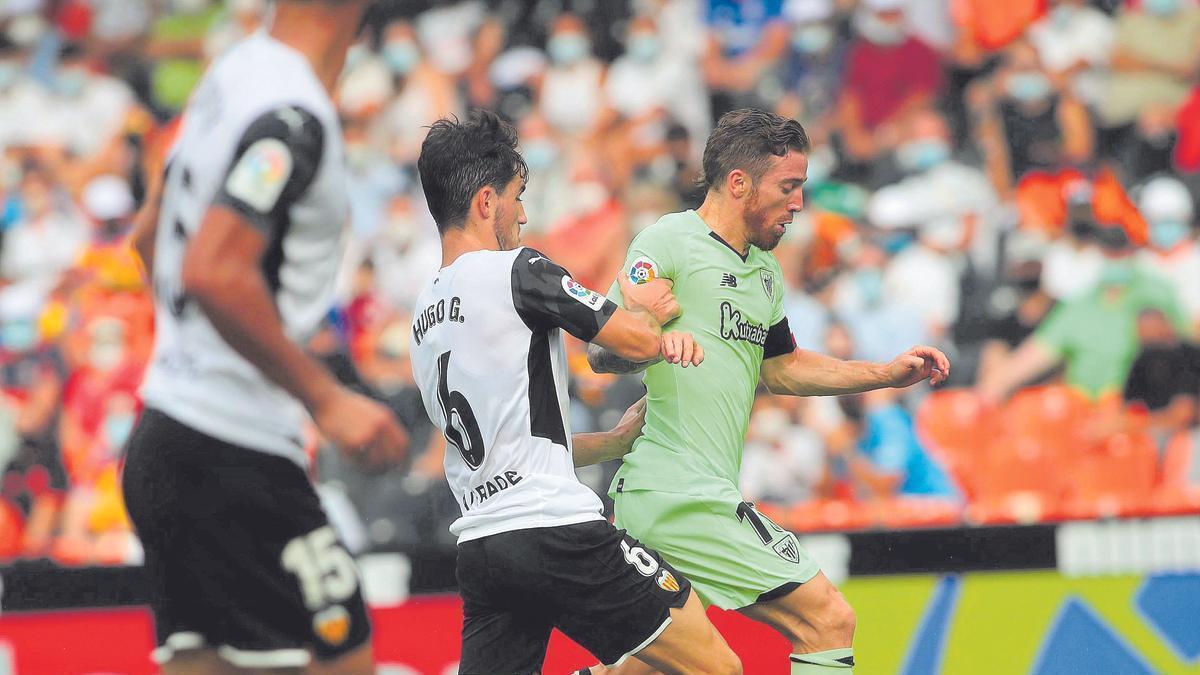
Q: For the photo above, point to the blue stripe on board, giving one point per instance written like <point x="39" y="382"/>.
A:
<point x="929" y="645"/>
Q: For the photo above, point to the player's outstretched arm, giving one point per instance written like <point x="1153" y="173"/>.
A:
<point x="599" y="447"/>
<point x="222" y="273"/>
<point x="805" y="373"/>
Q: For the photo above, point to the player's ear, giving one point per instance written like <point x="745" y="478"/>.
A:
<point x="738" y="183"/>
<point x="485" y="202"/>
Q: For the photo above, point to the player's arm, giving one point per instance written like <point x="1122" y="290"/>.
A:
<point x="275" y="162"/>
<point x="546" y="297"/>
<point x="145" y="223"/>
<point x="650" y="301"/>
<point x="799" y="372"/>
<point x="599" y="447"/>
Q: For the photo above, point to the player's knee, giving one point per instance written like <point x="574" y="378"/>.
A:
<point x="838" y="622"/>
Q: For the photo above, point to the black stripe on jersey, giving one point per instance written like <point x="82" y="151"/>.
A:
<point x="780" y="340"/>
<point x="297" y="155"/>
<point x="545" y="415"/>
<point x="546" y="297"/>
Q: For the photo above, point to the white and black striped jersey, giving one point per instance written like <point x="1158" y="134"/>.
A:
<point x="260" y="136"/>
<point x="488" y="354"/>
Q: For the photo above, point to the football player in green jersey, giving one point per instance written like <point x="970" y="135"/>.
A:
<point x="678" y="489"/>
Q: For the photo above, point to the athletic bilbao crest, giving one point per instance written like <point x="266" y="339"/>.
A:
<point x="332" y="625"/>
<point x="768" y="282"/>
<point x="668" y="582"/>
<point x="788" y="549"/>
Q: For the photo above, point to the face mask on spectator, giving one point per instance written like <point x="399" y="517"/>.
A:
<point x="813" y="38"/>
<point x="539" y="153"/>
<point x="105" y="355"/>
<point x="1062" y="15"/>
<point x="1028" y="86"/>
<point x="355" y="56"/>
<point x="70" y="82"/>
<point x="869" y="283"/>
<point x="919" y="155"/>
<point x="1165" y="234"/>
<point x="1117" y="273"/>
<point x="9" y="72"/>
<point x="568" y="48"/>
<point x="878" y="31"/>
<point x="1161" y="7"/>
<point x="18" y="335"/>
<point x="117" y="427"/>
<point x="643" y="47"/>
<point x="402" y="56"/>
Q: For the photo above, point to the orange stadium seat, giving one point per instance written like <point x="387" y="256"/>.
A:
<point x="1116" y="480"/>
<point x="955" y="426"/>
<point x="1022" y="479"/>
<point x="823" y="515"/>
<point x="919" y="512"/>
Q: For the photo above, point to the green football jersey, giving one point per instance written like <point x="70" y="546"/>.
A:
<point x="696" y="418"/>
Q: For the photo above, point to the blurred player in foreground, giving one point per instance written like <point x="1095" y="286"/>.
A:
<point x="243" y="242"/>
<point x="677" y="490"/>
<point x="534" y="550"/>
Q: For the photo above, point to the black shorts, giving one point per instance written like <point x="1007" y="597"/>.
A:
<point x="239" y="554"/>
<point x="595" y="583"/>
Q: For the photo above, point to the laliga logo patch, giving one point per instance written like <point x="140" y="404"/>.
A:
<point x="643" y="270"/>
<point x="261" y="174"/>
<point x="332" y="625"/>
<point x="668" y="582"/>
<point x="589" y="298"/>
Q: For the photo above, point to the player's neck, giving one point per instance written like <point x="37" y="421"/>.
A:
<point x="457" y="242"/>
<point x="321" y="32"/>
<point x="724" y="217"/>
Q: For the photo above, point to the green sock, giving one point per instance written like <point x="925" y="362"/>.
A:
<point x="824" y="663"/>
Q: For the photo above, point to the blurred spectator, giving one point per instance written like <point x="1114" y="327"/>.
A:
<point x="176" y="45"/>
<point x="813" y="65"/>
<point x="44" y="241"/>
<point x="570" y="93"/>
<point x="1073" y="42"/>
<point x="1167" y="207"/>
<point x="1164" y="381"/>
<point x="782" y="462"/>
<point x="1068" y="336"/>
<point x="1024" y="123"/>
<point x="745" y="40"/>
<point x="1014" y="308"/>
<point x="596" y="216"/>
<point x="1154" y="66"/>
<point x="547" y="190"/>
<point x="239" y="20"/>
<point x="889" y="74"/>
<point x="889" y="460"/>
<point x="882" y="326"/>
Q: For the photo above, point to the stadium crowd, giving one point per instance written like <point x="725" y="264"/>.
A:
<point x="1012" y="182"/>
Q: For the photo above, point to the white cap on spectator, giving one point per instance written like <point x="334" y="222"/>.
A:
<point x="108" y="198"/>
<point x="890" y="208"/>
<point x="884" y="5"/>
<point x="807" y="11"/>
<point x="1165" y="198"/>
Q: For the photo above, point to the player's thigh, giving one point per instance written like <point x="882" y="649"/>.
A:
<point x="690" y="644"/>
<point x="732" y="555"/>
<point x="815" y="615"/>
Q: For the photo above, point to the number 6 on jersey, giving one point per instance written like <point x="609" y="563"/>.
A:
<point x="462" y="430"/>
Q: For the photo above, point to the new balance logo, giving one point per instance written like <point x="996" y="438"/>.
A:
<point x="728" y="281"/>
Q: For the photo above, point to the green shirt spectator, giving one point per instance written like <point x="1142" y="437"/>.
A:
<point x="1095" y="335"/>
<point x="177" y="40"/>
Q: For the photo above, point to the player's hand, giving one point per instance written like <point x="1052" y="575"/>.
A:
<point x="361" y="428"/>
<point x="682" y="349"/>
<point x="654" y="298"/>
<point x="630" y="426"/>
<point x="917" y="365"/>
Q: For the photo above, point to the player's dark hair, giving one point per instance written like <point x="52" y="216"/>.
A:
<point x="746" y="139"/>
<point x="461" y="157"/>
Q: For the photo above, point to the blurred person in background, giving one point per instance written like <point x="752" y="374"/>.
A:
<point x="782" y="462"/>
<point x="570" y="92"/>
<point x="1074" y="260"/>
<point x="596" y="216"/>
<point x="240" y="19"/>
<point x="1073" y="41"/>
<point x="879" y="322"/>
<point x="813" y="65"/>
<point x="745" y="40"/>
<point x="890" y="74"/>
<point x="175" y="46"/>
<point x="1155" y="63"/>
<point x="1097" y="368"/>
<point x="1173" y="252"/>
<point x="549" y="191"/>
<point x="1023" y="122"/>
<point x="1013" y="308"/>
<point x="889" y="460"/>
<point x="46" y="238"/>
<point x="1164" y="381"/>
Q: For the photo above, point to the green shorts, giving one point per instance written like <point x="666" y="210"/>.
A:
<point x="733" y="555"/>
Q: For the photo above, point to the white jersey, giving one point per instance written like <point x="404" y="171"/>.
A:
<point x="488" y="355"/>
<point x="260" y="136"/>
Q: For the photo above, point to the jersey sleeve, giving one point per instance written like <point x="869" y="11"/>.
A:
<point x="780" y="340"/>
<point x="650" y="257"/>
<point x="275" y="162"/>
<point x="546" y="297"/>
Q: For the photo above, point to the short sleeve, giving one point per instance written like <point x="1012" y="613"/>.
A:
<point x="650" y="257"/>
<point x="275" y="162"/>
<point x="546" y="297"/>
